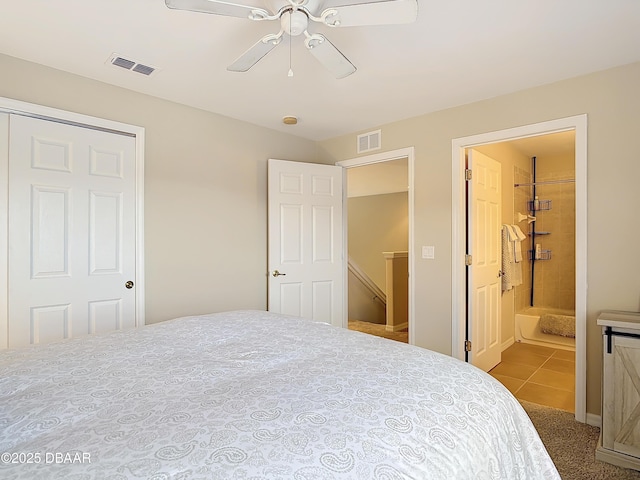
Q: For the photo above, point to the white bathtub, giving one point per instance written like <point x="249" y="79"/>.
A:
<point x="527" y="329"/>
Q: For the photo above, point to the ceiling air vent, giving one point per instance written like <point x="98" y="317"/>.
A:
<point x="369" y="141"/>
<point x="120" y="61"/>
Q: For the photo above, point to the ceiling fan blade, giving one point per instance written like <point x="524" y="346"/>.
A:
<point x="218" y="7"/>
<point x="249" y="58"/>
<point x="329" y="56"/>
<point x="388" y="12"/>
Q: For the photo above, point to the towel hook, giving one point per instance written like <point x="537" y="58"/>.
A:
<point x="528" y="218"/>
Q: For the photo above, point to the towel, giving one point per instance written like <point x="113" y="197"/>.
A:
<point x="507" y="260"/>
<point x="519" y="237"/>
<point x="514" y="239"/>
<point x="517" y="255"/>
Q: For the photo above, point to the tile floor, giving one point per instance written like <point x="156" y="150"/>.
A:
<point x="541" y="375"/>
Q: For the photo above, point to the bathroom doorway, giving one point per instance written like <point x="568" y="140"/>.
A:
<point x="578" y="124"/>
<point x="537" y="299"/>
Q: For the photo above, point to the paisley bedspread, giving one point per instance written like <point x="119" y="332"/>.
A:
<point x="254" y="395"/>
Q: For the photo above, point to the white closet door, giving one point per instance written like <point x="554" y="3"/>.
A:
<point x="71" y="231"/>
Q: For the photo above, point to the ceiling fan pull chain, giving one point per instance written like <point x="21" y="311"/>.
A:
<point x="290" y="73"/>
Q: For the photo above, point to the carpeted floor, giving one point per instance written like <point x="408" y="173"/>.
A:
<point x="572" y="445"/>
<point x="378" y="330"/>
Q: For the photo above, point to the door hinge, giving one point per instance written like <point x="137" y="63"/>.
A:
<point x="467" y="345"/>
<point x="467" y="174"/>
<point x="468" y="260"/>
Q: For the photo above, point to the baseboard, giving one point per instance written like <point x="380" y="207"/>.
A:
<point x="397" y="328"/>
<point x="594" y="420"/>
<point x="615" y="458"/>
<point x="506" y="344"/>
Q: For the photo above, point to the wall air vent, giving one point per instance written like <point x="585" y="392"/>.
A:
<point x="120" y="61"/>
<point x="369" y="141"/>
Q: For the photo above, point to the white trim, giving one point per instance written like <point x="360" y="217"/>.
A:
<point x="4" y="230"/>
<point x="395" y="254"/>
<point x="140" y="278"/>
<point x="396" y="328"/>
<point x="409" y="153"/>
<point x="507" y="343"/>
<point x="594" y="420"/>
<point x="458" y="235"/>
<point x="8" y="105"/>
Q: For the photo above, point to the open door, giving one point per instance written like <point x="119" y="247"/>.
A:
<point x="306" y="241"/>
<point x="484" y="275"/>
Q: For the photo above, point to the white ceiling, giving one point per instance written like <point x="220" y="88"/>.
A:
<point x="458" y="51"/>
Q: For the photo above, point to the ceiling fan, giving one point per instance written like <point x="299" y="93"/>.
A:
<point x="294" y="17"/>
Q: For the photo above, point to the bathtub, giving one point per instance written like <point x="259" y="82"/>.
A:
<point x="527" y="329"/>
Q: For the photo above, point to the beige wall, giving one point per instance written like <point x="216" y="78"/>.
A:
<point x="611" y="100"/>
<point x="205" y="189"/>
<point x="376" y="224"/>
<point x="362" y="303"/>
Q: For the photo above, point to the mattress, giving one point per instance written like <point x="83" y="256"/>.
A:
<point x="256" y="395"/>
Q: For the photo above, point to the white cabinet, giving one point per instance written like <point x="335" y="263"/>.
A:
<point x="620" y="435"/>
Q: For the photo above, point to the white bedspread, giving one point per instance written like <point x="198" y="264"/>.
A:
<point x="253" y="395"/>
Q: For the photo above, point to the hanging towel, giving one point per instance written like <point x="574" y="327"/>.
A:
<point x="513" y="240"/>
<point x="511" y="237"/>
<point x="520" y="236"/>
<point x="507" y="260"/>
<point x="517" y="257"/>
<point x="515" y="237"/>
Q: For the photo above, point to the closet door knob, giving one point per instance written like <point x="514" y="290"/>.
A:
<point x="129" y="284"/>
<point x="500" y="273"/>
<point x="276" y="273"/>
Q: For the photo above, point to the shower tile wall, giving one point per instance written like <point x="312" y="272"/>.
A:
<point x="554" y="285"/>
<point x="555" y="279"/>
<point x="520" y="198"/>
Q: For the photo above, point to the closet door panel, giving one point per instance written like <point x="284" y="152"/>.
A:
<point x="71" y="231"/>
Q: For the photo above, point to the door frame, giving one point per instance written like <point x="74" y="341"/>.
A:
<point x="459" y="236"/>
<point x="409" y="153"/>
<point x="11" y="106"/>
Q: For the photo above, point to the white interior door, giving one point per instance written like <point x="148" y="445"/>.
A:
<point x="485" y="214"/>
<point x="306" y="241"/>
<point x="71" y="231"/>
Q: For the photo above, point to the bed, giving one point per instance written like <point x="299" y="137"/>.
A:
<point x="256" y="395"/>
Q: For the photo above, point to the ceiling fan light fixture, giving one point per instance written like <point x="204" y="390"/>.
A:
<point x="294" y="19"/>
<point x="294" y="22"/>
